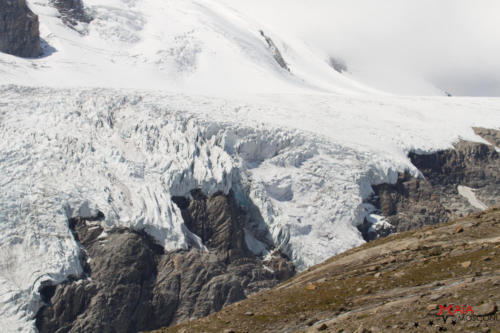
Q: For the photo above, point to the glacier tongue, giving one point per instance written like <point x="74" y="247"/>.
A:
<point x="76" y="152"/>
<point x="300" y="164"/>
<point x="69" y="155"/>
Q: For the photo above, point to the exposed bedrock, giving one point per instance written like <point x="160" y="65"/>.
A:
<point x="338" y="64"/>
<point x="490" y="135"/>
<point x="19" y="29"/>
<point x="275" y="51"/>
<point x="456" y="182"/>
<point x="132" y="284"/>
<point x="71" y="11"/>
<point x="217" y="220"/>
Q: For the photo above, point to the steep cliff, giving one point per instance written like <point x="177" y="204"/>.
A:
<point x="19" y="30"/>
<point x="132" y="284"/>
<point x="71" y="11"/>
<point x="455" y="182"/>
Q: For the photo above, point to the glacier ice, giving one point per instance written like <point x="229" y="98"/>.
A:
<point x="303" y="165"/>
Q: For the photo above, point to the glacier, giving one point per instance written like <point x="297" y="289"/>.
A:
<point x="305" y="161"/>
<point x="152" y="99"/>
<point x="189" y="46"/>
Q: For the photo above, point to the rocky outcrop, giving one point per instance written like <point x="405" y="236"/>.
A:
<point x="131" y="284"/>
<point x="275" y="51"/>
<point x="490" y="135"/>
<point x="456" y="182"/>
<point x="338" y="65"/>
<point x="395" y="284"/>
<point x="217" y="220"/>
<point x="72" y="11"/>
<point x="19" y="29"/>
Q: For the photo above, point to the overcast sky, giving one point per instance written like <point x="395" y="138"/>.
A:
<point x="398" y="45"/>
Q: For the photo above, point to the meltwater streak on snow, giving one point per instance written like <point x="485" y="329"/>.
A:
<point x="304" y="161"/>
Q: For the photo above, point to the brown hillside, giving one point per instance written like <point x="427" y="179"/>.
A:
<point x="394" y="284"/>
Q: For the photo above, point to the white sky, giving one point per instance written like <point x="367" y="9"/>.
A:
<point x="398" y="45"/>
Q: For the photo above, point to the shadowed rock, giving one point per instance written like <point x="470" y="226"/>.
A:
<point x="338" y="65"/>
<point x="72" y="11"/>
<point x="19" y="29"/>
<point x="275" y="51"/>
<point x="217" y="220"/>
<point x="131" y="284"/>
<point x="412" y="203"/>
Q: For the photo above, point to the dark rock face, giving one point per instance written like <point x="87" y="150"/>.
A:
<point x="19" y="29"/>
<point x="412" y="203"/>
<point x="470" y="164"/>
<point x="131" y="284"/>
<point x="216" y="220"/>
<point x="71" y="11"/>
<point x="275" y="52"/>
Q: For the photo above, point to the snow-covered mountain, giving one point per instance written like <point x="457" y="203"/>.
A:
<point x="152" y="99"/>
<point x="175" y="45"/>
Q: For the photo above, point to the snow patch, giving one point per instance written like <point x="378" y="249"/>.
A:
<point x="468" y="193"/>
